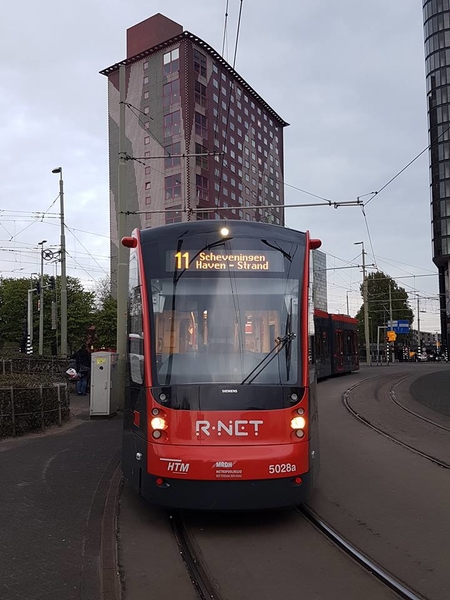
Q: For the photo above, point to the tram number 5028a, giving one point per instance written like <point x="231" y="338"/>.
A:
<point x="282" y="468"/>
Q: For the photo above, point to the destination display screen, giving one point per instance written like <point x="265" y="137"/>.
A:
<point x="220" y="259"/>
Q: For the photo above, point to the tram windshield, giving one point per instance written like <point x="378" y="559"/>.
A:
<point x="218" y="319"/>
<point x="221" y="330"/>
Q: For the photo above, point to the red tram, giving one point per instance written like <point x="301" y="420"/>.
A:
<point x="221" y="408"/>
<point x="336" y="344"/>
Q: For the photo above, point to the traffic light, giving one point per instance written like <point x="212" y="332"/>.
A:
<point x="52" y="282"/>
<point x="38" y="287"/>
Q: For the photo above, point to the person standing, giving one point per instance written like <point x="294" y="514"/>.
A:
<point x="83" y="367"/>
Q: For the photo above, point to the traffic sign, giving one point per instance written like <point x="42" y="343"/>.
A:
<point x="392" y="336"/>
<point x="400" y="326"/>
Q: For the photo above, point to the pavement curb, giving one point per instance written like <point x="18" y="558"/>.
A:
<point x="109" y="570"/>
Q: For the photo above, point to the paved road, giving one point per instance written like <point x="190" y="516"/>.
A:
<point x="389" y="502"/>
<point x="54" y="489"/>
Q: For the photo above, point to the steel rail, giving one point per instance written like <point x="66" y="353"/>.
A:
<point x="429" y="457"/>
<point x="408" y="410"/>
<point x="199" y="577"/>
<point x="384" y="576"/>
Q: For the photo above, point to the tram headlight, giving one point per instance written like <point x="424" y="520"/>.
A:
<point x="298" y="423"/>
<point x="158" y="423"/>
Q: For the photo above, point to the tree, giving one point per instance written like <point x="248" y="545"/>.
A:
<point x="105" y="320"/>
<point x="80" y="310"/>
<point x="13" y="312"/>
<point x="379" y="309"/>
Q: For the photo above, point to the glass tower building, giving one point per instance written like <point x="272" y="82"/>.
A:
<point x="436" y="16"/>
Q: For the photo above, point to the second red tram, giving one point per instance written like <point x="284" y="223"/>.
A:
<point x="221" y="407"/>
<point x="336" y="344"/>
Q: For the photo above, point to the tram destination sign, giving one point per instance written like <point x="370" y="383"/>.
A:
<point x="215" y="260"/>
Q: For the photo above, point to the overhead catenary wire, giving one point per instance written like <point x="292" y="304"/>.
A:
<point x="378" y="192"/>
<point x="225" y="29"/>
<point x="89" y="254"/>
<point x="237" y="33"/>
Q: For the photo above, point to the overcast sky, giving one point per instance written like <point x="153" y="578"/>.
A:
<point x="348" y="76"/>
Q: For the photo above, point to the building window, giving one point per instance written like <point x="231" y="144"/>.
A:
<point x="201" y="187"/>
<point x="172" y="124"/>
<point x="148" y="200"/>
<point x="215" y="68"/>
<point x="201" y="161"/>
<point x="172" y="160"/>
<point x="147" y="140"/>
<point x="146" y="95"/>
<point x="171" y="92"/>
<point x="173" y="215"/>
<point x="173" y="187"/>
<point x="200" y="93"/>
<point x="171" y="61"/>
<point x="145" y="64"/>
<point x="148" y="185"/>
<point x="148" y="170"/>
<point x="200" y="125"/>
<point x="199" y="63"/>
<point x="145" y="79"/>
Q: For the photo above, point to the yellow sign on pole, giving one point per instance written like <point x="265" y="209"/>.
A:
<point x="392" y="336"/>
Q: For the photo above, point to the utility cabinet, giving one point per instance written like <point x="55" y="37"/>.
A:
<point x="103" y="384"/>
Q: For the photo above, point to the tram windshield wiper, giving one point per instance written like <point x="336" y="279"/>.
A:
<point x="280" y="343"/>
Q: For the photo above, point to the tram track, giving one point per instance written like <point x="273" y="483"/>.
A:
<point x="200" y="579"/>
<point x="362" y="559"/>
<point x="368" y="423"/>
<point x="207" y="588"/>
<point x="394" y="399"/>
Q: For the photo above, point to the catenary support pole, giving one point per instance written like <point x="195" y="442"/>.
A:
<point x="41" y="303"/>
<point x="122" y="253"/>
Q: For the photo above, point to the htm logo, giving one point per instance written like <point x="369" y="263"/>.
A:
<point x="176" y="465"/>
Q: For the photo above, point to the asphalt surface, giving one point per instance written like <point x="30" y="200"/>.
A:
<point x="386" y="500"/>
<point x="56" y="510"/>
<point x="433" y="390"/>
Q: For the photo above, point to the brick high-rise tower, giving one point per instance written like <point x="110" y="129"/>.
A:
<point x="217" y="143"/>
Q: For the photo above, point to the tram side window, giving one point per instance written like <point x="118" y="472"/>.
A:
<point x="135" y="335"/>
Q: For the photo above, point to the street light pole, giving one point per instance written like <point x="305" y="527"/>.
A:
<point x="41" y="302"/>
<point x="63" y="267"/>
<point x="365" y="304"/>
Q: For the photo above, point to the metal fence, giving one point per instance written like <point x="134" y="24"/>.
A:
<point x="51" y="366"/>
<point x="25" y="409"/>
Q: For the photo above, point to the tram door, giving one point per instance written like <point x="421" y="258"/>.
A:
<point x="339" y="350"/>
